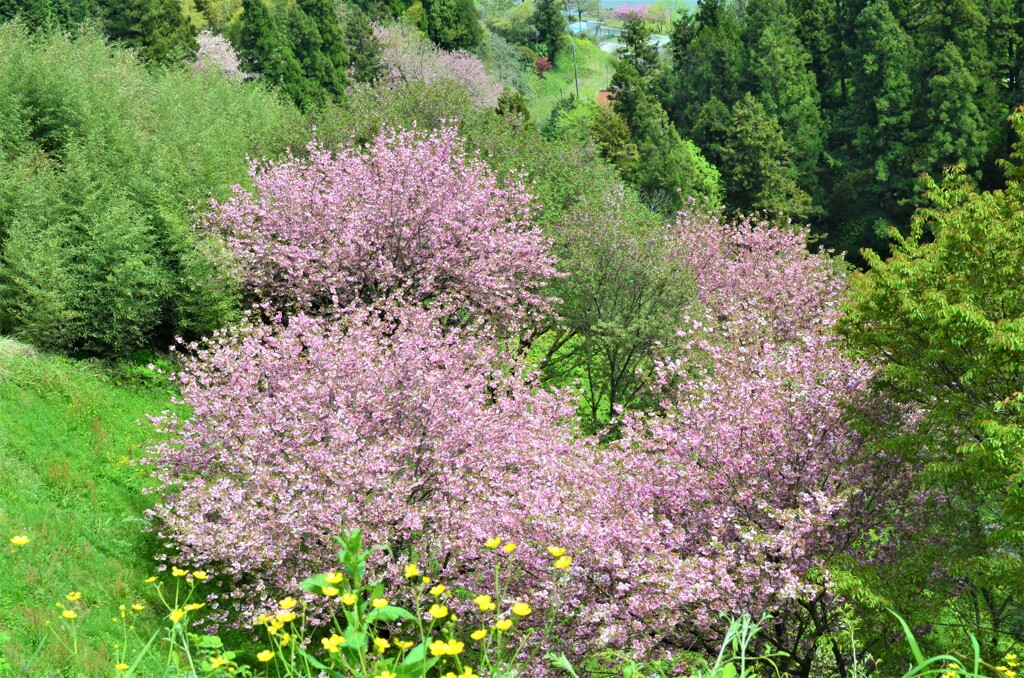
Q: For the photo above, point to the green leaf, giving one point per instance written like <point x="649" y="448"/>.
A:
<point x="315" y="583"/>
<point x="388" y="614"/>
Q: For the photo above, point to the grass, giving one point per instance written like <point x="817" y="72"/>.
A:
<point x="595" y="73"/>
<point x="67" y="434"/>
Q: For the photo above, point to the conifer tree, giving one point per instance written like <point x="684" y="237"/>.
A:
<point x="156" y="29"/>
<point x="550" y="22"/>
<point x="328" y="67"/>
<point x="265" y="50"/>
<point x="453" y="24"/>
<point x="364" y="49"/>
<point x="636" y="46"/>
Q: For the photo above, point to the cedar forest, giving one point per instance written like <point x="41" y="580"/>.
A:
<point x="499" y="338"/>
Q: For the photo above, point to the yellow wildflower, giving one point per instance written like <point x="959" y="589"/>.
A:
<point x="329" y="591"/>
<point x="20" y="540"/>
<point x="403" y="644"/>
<point x="509" y="547"/>
<point x="503" y="624"/>
<point x="73" y="596"/>
<point x="334" y="577"/>
<point x="412" y="570"/>
<point x="285" y="639"/>
<point x="138" y="607"/>
<point x="68" y="614"/>
<point x="386" y="674"/>
<point x="265" y="656"/>
<point x="556" y="551"/>
<point x="285" y="617"/>
<point x="274" y="627"/>
<point x="331" y="644"/>
<point x="455" y="647"/>
<point x="425" y="580"/>
<point x="438" y="590"/>
<point x="492" y="543"/>
<point x="218" y="662"/>
<point x="485" y="603"/>
<point x="178" y="572"/>
<point x="150" y="580"/>
<point x="563" y="562"/>
<point x="192" y="607"/>
<point x="438" y="611"/>
<point x="521" y="609"/>
<point x="379" y="603"/>
<point x="349" y="599"/>
<point x="200" y="575"/>
<point x="121" y="667"/>
<point x="1010" y="657"/>
<point x="176" y="615"/>
<point x="467" y="673"/>
<point x="452" y="647"/>
<point x="381" y="644"/>
<point x="287" y="603"/>
<point x="479" y="634"/>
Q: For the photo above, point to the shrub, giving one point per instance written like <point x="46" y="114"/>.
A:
<point x="104" y="165"/>
<point x="410" y="216"/>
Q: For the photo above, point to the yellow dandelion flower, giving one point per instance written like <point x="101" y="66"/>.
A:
<point x="438" y="590"/>
<point x="20" y="540"/>
<point x="509" y="547"/>
<point x="218" y="662"/>
<point x="556" y="551"/>
<point x="150" y="580"/>
<point x="479" y="634"/>
<point x="493" y="543"/>
<point x="176" y="615"/>
<point x="178" y="572"/>
<point x="563" y="562"/>
<point x="521" y="609"/>
<point x="73" y="596"/>
<point x="265" y="655"/>
<point x="503" y="624"/>
<point x="121" y="667"/>
<point x="412" y="570"/>
<point x="438" y="611"/>
<point x="331" y="644"/>
<point x="403" y="644"/>
<point x="329" y="591"/>
<point x="485" y="603"/>
<point x="68" y="614"/>
<point x="381" y="644"/>
<point x="200" y="575"/>
<point x="349" y="599"/>
<point x="138" y="607"/>
<point x="192" y="607"/>
<point x="379" y="603"/>
<point x="334" y="577"/>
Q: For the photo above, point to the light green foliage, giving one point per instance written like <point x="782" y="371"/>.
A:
<point x="947" y="317"/>
<point x="67" y="436"/>
<point x="105" y="167"/>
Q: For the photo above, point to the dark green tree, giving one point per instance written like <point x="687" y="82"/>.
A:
<point x="636" y="48"/>
<point x="512" y="102"/>
<point x="954" y="132"/>
<point x="756" y="168"/>
<point x="453" y="24"/>
<point x="614" y="141"/>
<point x="156" y="29"/>
<point x="264" y="49"/>
<point x="712" y="130"/>
<point x="550" y="22"/>
<point x="363" y="47"/>
<point x="318" y="42"/>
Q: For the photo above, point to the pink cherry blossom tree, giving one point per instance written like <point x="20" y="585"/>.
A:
<point x="410" y="215"/>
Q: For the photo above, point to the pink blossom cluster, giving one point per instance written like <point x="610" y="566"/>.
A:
<point x="427" y="438"/>
<point x="625" y="12"/>
<point x="411" y="215"/>
<point x="408" y="56"/>
<point x="216" y="51"/>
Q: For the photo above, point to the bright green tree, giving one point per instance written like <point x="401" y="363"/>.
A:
<point x="944" y="319"/>
<point x="453" y="24"/>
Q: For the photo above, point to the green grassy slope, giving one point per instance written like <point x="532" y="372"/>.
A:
<point x="67" y="435"/>
<point x="595" y="72"/>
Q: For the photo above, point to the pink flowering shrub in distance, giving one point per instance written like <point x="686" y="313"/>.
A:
<point x="426" y="438"/>
<point x="625" y="12"/>
<point x="408" y="56"/>
<point x="410" y="214"/>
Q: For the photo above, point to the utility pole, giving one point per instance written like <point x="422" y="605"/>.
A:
<point x="575" y="74"/>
